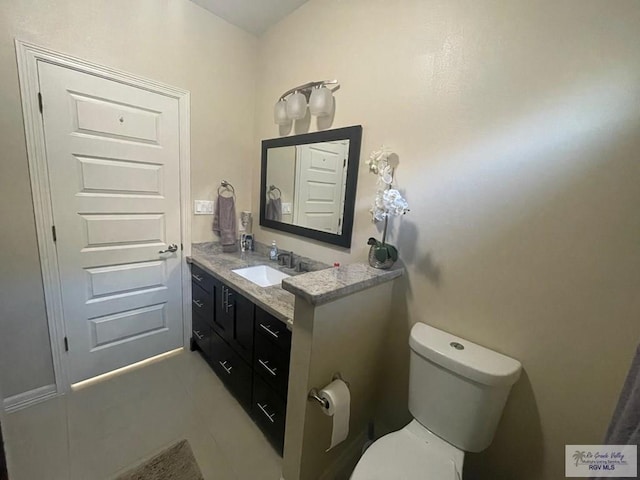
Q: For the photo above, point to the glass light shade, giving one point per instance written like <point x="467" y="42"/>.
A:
<point x="321" y="102"/>
<point x="296" y="106"/>
<point x="280" y="113"/>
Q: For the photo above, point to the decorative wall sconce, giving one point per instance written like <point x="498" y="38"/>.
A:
<point x="292" y="104"/>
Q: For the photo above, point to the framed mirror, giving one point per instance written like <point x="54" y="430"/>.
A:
<point x="308" y="184"/>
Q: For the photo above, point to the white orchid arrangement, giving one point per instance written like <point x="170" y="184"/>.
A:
<point x="388" y="202"/>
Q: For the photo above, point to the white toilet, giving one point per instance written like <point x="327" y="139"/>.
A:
<point x="457" y="391"/>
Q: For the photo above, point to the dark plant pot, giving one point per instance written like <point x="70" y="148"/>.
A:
<point x="375" y="263"/>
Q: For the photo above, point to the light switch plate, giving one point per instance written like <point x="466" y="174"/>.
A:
<point x="287" y="208"/>
<point x="203" y="207"/>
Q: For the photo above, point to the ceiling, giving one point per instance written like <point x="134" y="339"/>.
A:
<point x="254" y="16"/>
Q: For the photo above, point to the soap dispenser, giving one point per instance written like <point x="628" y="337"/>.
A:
<point x="273" y="254"/>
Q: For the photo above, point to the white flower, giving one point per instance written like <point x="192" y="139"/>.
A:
<point x="378" y="160"/>
<point x="393" y="202"/>
<point x="388" y="201"/>
<point x="377" y="214"/>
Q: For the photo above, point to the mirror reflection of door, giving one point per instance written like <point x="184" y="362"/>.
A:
<point x="307" y="184"/>
<point x="320" y="185"/>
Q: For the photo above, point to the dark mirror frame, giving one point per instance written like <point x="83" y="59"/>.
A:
<point x="354" y="135"/>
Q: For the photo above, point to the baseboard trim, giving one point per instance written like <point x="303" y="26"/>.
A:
<point x="32" y="397"/>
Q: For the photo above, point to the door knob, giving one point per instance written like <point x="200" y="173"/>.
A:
<point x="170" y="249"/>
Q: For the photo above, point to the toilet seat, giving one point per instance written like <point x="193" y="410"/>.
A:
<point x="412" y="453"/>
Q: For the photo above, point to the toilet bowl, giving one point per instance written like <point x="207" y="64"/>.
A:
<point x="457" y="391"/>
<point x="411" y="453"/>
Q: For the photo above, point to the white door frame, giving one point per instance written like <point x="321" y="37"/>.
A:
<point x="28" y="55"/>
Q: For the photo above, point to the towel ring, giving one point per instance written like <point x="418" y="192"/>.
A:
<point x="227" y="188"/>
<point x="272" y="190"/>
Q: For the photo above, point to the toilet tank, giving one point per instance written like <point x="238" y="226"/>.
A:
<point x="458" y="389"/>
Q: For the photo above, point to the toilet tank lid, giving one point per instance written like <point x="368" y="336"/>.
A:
<point x="463" y="357"/>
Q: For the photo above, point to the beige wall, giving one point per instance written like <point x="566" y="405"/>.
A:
<point x="345" y="336"/>
<point x="172" y="41"/>
<point x="517" y="125"/>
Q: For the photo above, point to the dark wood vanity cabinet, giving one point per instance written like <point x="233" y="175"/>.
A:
<point x="201" y="333"/>
<point x="272" y="350"/>
<point x="202" y="279"/>
<point x="274" y="330"/>
<point x="272" y="362"/>
<point x="269" y="411"/>
<point x="202" y="293"/>
<point x="247" y="347"/>
<point x="232" y="370"/>
<point x="234" y="319"/>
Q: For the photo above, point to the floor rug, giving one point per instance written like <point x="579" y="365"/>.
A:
<point x="175" y="463"/>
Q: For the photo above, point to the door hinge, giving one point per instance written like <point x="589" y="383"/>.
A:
<point x="66" y="344"/>
<point x="344" y="163"/>
<point x="53" y="232"/>
<point x="181" y="247"/>
<point x="40" y="102"/>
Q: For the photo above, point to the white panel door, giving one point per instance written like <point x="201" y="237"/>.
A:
<point x="320" y="185"/>
<point x="113" y="162"/>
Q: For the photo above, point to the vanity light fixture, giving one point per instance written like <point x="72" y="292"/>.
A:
<point x="292" y="105"/>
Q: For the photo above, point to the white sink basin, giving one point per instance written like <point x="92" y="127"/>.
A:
<point x="262" y="275"/>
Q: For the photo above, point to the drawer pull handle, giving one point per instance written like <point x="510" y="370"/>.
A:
<point x="265" y="365"/>
<point x="197" y="334"/>
<point x="266" y="414"/>
<point x="267" y="329"/>
<point x="198" y="303"/>
<point x="225" y="299"/>
<point x="226" y="369"/>
<point x="197" y="278"/>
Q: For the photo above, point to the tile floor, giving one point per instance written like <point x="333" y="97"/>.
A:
<point x="104" y="429"/>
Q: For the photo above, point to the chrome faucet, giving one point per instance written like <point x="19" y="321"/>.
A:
<point x="286" y="259"/>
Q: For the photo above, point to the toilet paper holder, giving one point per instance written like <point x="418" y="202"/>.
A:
<point x="314" y="393"/>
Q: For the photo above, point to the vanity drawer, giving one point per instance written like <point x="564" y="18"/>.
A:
<point x="269" y="412"/>
<point x="274" y="330"/>
<point x="201" y="302"/>
<point x="231" y="369"/>
<point x="201" y="334"/>
<point x="201" y="278"/>
<point x="272" y="364"/>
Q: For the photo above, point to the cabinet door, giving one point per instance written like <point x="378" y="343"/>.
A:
<point x="223" y="319"/>
<point x="243" y="327"/>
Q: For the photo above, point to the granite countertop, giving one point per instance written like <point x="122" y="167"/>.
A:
<point x="211" y="258"/>
<point x="321" y="285"/>
<point x="330" y="284"/>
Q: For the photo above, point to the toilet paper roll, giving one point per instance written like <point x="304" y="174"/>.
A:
<point x="339" y="406"/>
